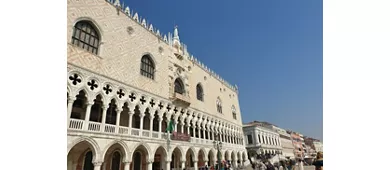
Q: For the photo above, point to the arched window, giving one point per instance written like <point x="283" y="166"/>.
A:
<point x="234" y="113"/>
<point x="179" y="87"/>
<point x="199" y="92"/>
<point x="219" y="105"/>
<point x="85" y="36"/>
<point x="147" y="67"/>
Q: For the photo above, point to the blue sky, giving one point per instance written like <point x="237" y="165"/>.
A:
<point x="272" y="49"/>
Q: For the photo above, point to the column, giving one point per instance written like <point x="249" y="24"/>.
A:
<point x="175" y="122"/>
<point x="182" y="127"/>
<point x="183" y="164"/>
<point x="141" y="127"/>
<point x="168" y="165"/>
<point x="256" y="138"/>
<point x="261" y="138"/>
<point x="199" y="131"/>
<point x="104" y="118"/>
<point x="127" y="165"/>
<point x="70" y="106"/>
<point x="150" y="163"/>
<point x="97" y="165"/>
<point x="118" y="118"/>
<point x="196" y="165"/>
<point x="188" y="129"/>
<point x="87" y="115"/>
<point x="160" y="119"/>
<point x="204" y="133"/>
<point x="151" y="124"/>
<point x="193" y="130"/>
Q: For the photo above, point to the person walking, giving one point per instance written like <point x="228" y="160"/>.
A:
<point x="319" y="162"/>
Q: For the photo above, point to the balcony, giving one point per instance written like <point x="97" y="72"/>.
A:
<point x="78" y="126"/>
<point x="179" y="98"/>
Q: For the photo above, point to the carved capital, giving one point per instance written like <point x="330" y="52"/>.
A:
<point x="97" y="163"/>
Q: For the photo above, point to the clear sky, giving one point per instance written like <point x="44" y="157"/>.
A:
<point x="272" y="49"/>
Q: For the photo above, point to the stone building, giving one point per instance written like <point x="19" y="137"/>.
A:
<point x="127" y="81"/>
<point x="299" y="145"/>
<point x="286" y="142"/>
<point x="260" y="139"/>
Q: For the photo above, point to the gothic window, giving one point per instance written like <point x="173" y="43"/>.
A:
<point x="234" y="113"/>
<point x="85" y="36"/>
<point x="111" y="113"/>
<point x="79" y="107"/>
<point x="199" y="92"/>
<point x="219" y="105"/>
<point x="179" y="87"/>
<point x="147" y="67"/>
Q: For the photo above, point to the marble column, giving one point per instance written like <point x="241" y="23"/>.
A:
<point x="87" y="115"/>
<point x="150" y="163"/>
<point x="195" y="165"/>
<point x="160" y="119"/>
<point x="127" y="165"/>
<point x="97" y="165"/>
<point x="183" y="164"/>
<point x="70" y="106"/>
<point x="104" y="118"/>
<point x="168" y="165"/>
<point x="151" y="124"/>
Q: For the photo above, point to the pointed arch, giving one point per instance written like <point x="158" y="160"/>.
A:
<point x="179" y="86"/>
<point x="124" y="149"/>
<point x="144" y="146"/>
<point x="93" y="145"/>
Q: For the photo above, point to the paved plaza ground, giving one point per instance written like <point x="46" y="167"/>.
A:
<point x="305" y="167"/>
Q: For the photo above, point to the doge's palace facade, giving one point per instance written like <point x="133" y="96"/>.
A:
<point x="126" y="82"/>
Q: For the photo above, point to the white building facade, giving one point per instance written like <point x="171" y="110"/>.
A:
<point x="261" y="140"/>
<point x="126" y="82"/>
<point x="318" y="146"/>
<point x="286" y="142"/>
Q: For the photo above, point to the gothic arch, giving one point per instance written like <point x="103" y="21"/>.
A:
<point x="124" y="149"/>
<point x="94" y="146"/>
<point x="180" y="149"/>
<point x="147" y="148"/>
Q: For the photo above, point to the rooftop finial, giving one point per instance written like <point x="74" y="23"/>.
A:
<point x="176" y="34"/>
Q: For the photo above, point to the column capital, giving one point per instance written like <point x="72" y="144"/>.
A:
<point x="97" y="163"/>
<point x="127" y="162"/>
<point x="150" y="161"/>
<point x="71" y="99"/>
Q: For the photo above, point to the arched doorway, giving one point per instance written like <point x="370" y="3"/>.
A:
<point x="201" y="158"/>
<point x="81" y="156"/>
<point x="190" y="157"/>
<point x="160" y="159"/>
<point x="113" y="157"/>
<point x="211" y="157"/>
<point x="176" y="158"/>
<point x="140" y="157"/>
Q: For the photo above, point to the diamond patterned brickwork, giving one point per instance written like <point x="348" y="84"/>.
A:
<point x="119" y="56"/>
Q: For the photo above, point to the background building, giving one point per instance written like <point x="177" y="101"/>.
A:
<point x="127" y="81"/>
<point x="261" y="139"/>
<point x="286" y="142"/>
<point x="298" y="142"/>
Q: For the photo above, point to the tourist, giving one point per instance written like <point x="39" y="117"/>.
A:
<point x="300" y="164"/>
<point x="319" y="161"/>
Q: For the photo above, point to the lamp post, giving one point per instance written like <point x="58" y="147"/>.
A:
<point x="218" y="146"/>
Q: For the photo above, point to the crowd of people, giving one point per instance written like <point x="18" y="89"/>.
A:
<point x="288" y="164"/>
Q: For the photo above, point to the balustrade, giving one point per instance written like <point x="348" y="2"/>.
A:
<point x="77" y="124"/>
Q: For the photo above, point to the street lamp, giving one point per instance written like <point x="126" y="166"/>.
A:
<point x="218" y="146"/>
